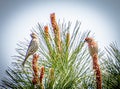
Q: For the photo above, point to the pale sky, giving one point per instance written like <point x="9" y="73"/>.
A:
<point x="18" y="18"/>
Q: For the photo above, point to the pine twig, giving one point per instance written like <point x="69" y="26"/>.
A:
<point x="97" y="71"/>
<point x="35" y="69"/>
<point x="56" y="32"/>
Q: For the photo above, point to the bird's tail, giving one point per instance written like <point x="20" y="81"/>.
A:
<point x="25" y="60"/>
<point x="23" y="63"/>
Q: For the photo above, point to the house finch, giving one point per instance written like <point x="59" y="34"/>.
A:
<point x="93" y="49"/>
<point x="33" y="47"/>
<point x="92" y="45"/>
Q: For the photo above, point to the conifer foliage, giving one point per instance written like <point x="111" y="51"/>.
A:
<point x="62" y="61"/>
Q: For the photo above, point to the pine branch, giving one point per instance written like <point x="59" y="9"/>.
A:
<point x="112" y="67"/>
<point x="66" y="61"/>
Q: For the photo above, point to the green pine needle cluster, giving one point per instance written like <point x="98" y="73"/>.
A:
<point x="72" y="66"/>
<point x="111" y="78"/>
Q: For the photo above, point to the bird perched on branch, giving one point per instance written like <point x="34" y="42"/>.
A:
<point x="93" y="49"/>
<point x="92" y="45"/>
<point x="33" y="47"/>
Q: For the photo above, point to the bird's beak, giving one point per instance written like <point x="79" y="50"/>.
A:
<point x="84" y="40"/>
<point x="30" y="34"/>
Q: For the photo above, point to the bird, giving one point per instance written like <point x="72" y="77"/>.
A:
<point x="92" y="46"/>
<point x="93" y="49"/>
<point x="32" y="48"/>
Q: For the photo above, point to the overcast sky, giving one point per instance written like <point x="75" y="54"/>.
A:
<point x="18" y="17"/>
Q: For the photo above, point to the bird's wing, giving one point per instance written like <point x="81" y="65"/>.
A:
<point x="96" y="48"/>
<point x="93" y="49"/>
<point x="31" y="47"/>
